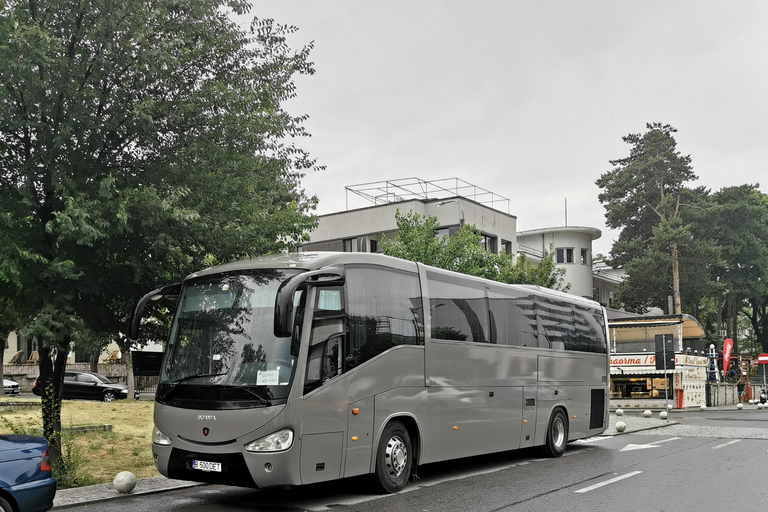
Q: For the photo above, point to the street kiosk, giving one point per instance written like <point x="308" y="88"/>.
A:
<point x="656" y="362"/>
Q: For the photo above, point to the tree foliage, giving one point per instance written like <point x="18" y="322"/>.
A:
<point x="645" y="196"/>
<point x="139" y="140"/>
<point x="737" y="222"/>
<point x="719" y="240"/>
<point x="462" y="252"/>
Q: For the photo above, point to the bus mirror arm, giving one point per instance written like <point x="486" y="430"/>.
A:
<point x="138" y="311"/>
<point x="333" y="276"/>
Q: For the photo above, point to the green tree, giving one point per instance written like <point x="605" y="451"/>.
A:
<point x="417" y="241"/>
<point x="140" y="140"/>
<point x="642" y="196"/>
<point x="737" y="221"/>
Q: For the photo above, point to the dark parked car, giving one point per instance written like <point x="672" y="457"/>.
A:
<point x="26" y="483"/>
<point x="84" y="385"/>
<point x="11" y="387"/>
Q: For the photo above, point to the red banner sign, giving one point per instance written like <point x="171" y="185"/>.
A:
<point x="727" y="349"/>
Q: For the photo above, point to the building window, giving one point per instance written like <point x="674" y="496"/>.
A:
<point x="374" y="246"/>
<point x="347" y="245"/>
<point x="507" y="246"/>
<point x="564" y="255"/>
<point x="489" y="243"/>
<point x="584" y="257"/>
<point x="596" y="294"/>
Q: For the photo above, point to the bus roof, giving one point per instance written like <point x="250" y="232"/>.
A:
<point x="318" y="260"/>
<point x="307" y="261"/>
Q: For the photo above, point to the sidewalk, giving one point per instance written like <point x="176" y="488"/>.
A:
<point x="634" y="422"/>
<point x="102" y="492"/>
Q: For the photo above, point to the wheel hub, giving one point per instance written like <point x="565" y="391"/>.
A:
<point x="396" y="456"/>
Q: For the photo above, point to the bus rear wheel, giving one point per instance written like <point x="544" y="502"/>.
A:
<point x="557" y="434"/>
<point x="394" y="458"/>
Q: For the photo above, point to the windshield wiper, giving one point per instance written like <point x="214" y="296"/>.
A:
<point x="262" y="400"/>
<point x="175" y="384"/>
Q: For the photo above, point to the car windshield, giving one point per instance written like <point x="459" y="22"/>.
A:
<point x="222" y="349"/>
<point x="102" y="378"/>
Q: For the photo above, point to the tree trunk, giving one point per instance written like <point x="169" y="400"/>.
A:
<point x="51" y="382"/>
<point x="720" y="304"/>
<point x="93" y="362"/>
<point x="4" y="336"/>
<point x="676" y="281"/>
<point x="130" y="381"/>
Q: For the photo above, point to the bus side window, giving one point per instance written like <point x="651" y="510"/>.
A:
<point x="324" y="362"/>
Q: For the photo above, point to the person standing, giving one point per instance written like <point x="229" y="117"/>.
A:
<point x="740" y="389"/>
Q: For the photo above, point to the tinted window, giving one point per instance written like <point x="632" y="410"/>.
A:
<point x="522" y="318"/>
<point x="569" y="326"/>
<point x="458" y="308"/>
<point x="383" y="310"/>
<point x="590" y="329"/>
<point x="513" y="317"/>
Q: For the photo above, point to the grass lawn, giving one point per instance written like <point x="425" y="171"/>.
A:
<point x="97" y="456"/>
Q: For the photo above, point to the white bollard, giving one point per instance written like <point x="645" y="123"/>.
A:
<point x="669" y="407"/>
<point x="759" y="405"/>
<point x="620" y="426"/>
<point x="703" y="407"/>
<point x="619" y="412"/>
<point x="647" y="413"/>
<point x="125" y="481"/>
<point x="739" y="406"/>
<point x="663" y="415"/>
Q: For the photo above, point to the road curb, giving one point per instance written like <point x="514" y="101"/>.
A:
<point x="107" y="492"/>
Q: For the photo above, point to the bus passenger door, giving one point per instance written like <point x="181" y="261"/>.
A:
<point x="359" y="438"/>
<point x="529" y="417"/>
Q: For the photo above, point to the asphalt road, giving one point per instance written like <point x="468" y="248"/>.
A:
<point x="709" y="460"/>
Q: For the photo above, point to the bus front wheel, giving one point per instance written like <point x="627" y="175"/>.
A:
<point x="394" y="458"/>
<point x="557" y="434"/>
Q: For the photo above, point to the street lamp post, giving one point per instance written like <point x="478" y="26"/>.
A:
<point x="461" y="208"/>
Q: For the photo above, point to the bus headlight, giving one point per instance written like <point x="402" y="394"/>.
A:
<point x="160" y="438"/>
<point x="279" y="441"/>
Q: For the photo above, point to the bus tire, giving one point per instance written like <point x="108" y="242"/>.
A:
<point x="557" y="434"/>
<point x="394" y="458"/>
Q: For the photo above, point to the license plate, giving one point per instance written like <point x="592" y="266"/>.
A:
<point x="203" y="465"/>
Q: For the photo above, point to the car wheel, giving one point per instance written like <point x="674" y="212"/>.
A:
<point x="394" y="458"/>
<point x="557" y="434"/>
<point x="5" y="506"/>
<point x="109" y="396"/>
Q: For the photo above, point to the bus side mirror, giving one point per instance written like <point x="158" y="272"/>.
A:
<point x="333" y="276"/>
<point x="164" y="291"/>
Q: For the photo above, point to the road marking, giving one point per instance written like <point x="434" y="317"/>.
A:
<point x="654" y="444"/>
<point x="612" y="480"/>
<point x="726" y="444"/>
<point x="592" y="439"/>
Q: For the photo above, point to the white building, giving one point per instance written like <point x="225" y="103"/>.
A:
<point x="454" y="203"/>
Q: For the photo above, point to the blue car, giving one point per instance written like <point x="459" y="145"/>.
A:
<point x="26" y="484"/>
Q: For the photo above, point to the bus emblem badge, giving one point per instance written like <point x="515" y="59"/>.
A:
<point x="206" y="430"/>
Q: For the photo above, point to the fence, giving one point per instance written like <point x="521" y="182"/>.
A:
<point x="146" y="384"/>
<point x="720" y="394"/>
<point x="25" y="375"/>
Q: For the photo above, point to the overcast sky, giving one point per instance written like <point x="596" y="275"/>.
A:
<point x="529" y="99"/>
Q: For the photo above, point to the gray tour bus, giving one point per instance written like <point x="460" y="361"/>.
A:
<point x="303" y="368"/>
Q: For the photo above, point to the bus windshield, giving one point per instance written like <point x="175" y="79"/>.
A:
<point x="222" y="352"/>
